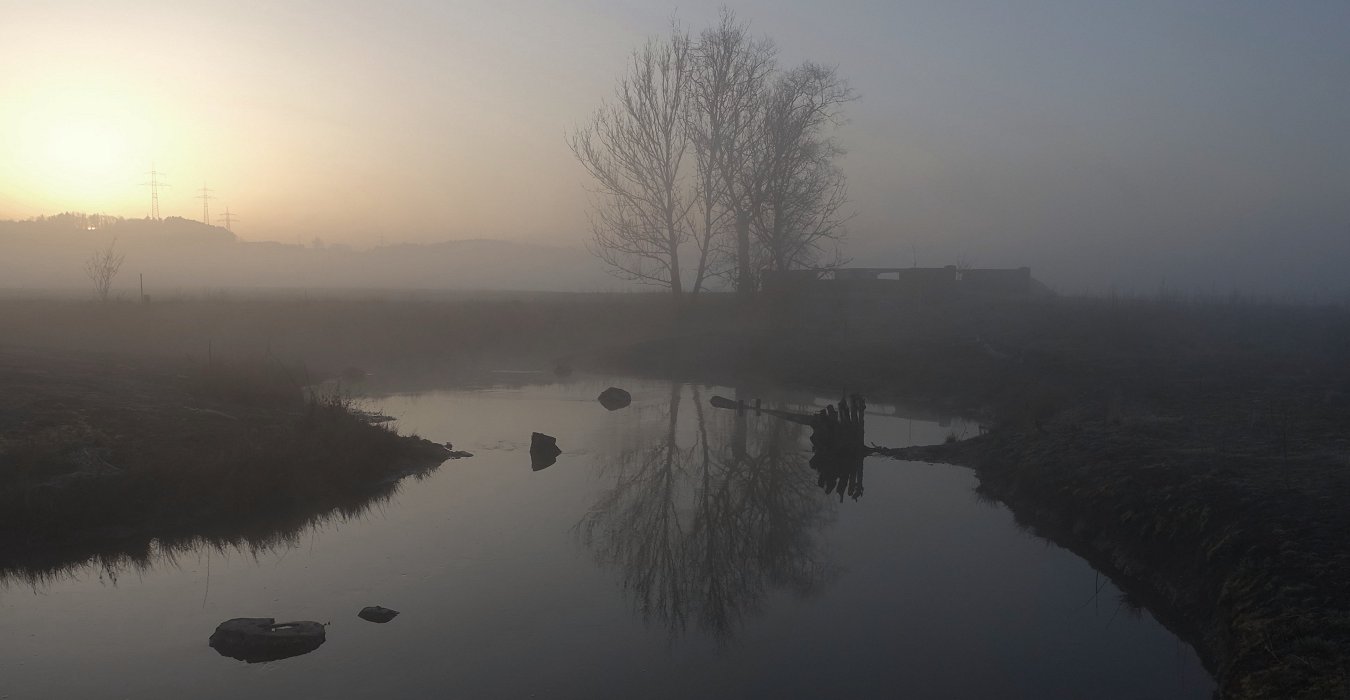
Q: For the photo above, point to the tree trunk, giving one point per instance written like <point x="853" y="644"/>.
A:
<point x="745" y="287"/>
<point x="676" y="284"/>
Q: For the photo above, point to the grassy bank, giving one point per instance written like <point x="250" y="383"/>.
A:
<point x="1241" y="554"/>
<point x="97" y="449"/>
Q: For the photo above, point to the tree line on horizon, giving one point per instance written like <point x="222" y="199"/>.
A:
<point x="711" y="155"/>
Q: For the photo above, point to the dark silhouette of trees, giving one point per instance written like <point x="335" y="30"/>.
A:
<point x="711" y="145"/>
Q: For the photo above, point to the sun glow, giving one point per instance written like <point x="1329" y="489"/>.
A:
<point x="85" y="146"/>
<point x="77" y="146"/>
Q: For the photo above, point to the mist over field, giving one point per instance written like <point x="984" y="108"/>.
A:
<point x="183" y="257"/>
<point x="1197" y="148"/>
<point x="461" y="348"/>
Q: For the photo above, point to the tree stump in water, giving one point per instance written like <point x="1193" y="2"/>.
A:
<point x="837" y="442"/>
<point x="834" y="429"/>
<point x="839" y="447"/>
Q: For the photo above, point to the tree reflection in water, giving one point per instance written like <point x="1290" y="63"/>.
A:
<point x="841" y="474"/>
<point x="703" y="525"/>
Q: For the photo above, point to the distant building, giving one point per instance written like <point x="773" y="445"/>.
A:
<point x="922" y="284"/>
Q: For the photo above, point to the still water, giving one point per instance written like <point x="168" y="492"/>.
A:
<point x="675" y="550"/>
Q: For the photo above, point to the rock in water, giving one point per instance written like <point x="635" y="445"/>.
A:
<point x="615" y="398"/>
<point x="255" y="639"/>
<point x="375" y="613"/>
<point x="544" y="450"/>
<point x="540" y="442"/>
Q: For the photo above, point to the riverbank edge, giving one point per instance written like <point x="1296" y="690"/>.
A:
<point x="1211" y="480"/>
<point x="107" y="451"/>
<point x="1215" y="585"/>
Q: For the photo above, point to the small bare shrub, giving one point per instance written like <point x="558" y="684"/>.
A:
<point x="102" y="268"/>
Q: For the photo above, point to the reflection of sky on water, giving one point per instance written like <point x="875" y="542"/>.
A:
<point x="674" y="550"/>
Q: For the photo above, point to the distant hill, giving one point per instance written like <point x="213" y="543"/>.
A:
<point x="177" y="254"/>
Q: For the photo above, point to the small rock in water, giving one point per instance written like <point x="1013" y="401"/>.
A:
<point x="375" y="613"/>
<point x="615" y="398"/>
<point x="544" y="450"/>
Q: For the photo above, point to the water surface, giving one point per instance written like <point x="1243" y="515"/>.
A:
<point x="674" y="550"/>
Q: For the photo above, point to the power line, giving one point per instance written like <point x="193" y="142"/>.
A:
<point x="206" y="198"/>
<point x="154" y="184"/>
<point x="229" y="219"/>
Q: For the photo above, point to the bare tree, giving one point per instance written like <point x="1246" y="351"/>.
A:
<point x="635" y="150"/>
<point x="709" y="143"/>
<point x="728" y="74"/>
<point x="767" y="133"/>
<point x="798" y="212"/>
<point x="102" y="268"/>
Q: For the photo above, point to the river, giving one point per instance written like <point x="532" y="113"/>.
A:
<point x="674" y="550"/>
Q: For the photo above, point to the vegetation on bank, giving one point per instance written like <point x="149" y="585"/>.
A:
<point x="1244" y="560"/>
<point x="97" y="449"/>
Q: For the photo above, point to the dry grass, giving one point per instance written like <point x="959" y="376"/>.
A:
<point x="113" y="451"/>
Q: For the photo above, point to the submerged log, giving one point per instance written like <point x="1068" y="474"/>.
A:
<point x="723" y="402"/>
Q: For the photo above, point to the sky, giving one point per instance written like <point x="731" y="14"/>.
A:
<point x="1129" y="146"/>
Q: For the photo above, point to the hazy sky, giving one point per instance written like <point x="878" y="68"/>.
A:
<point x="1133" y="143"/>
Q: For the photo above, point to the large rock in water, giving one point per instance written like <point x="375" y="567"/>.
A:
<point x="255" y="639"/>
<point x="615" y="398"/>
<point x="544" y="450"/>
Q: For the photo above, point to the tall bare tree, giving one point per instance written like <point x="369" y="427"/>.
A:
<point x="635" y="150"/>
<point x="102" y="267"/>
<point x="729" y="72"/>
<point x="798" y="206"/>
<point x="708" y="142"/>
